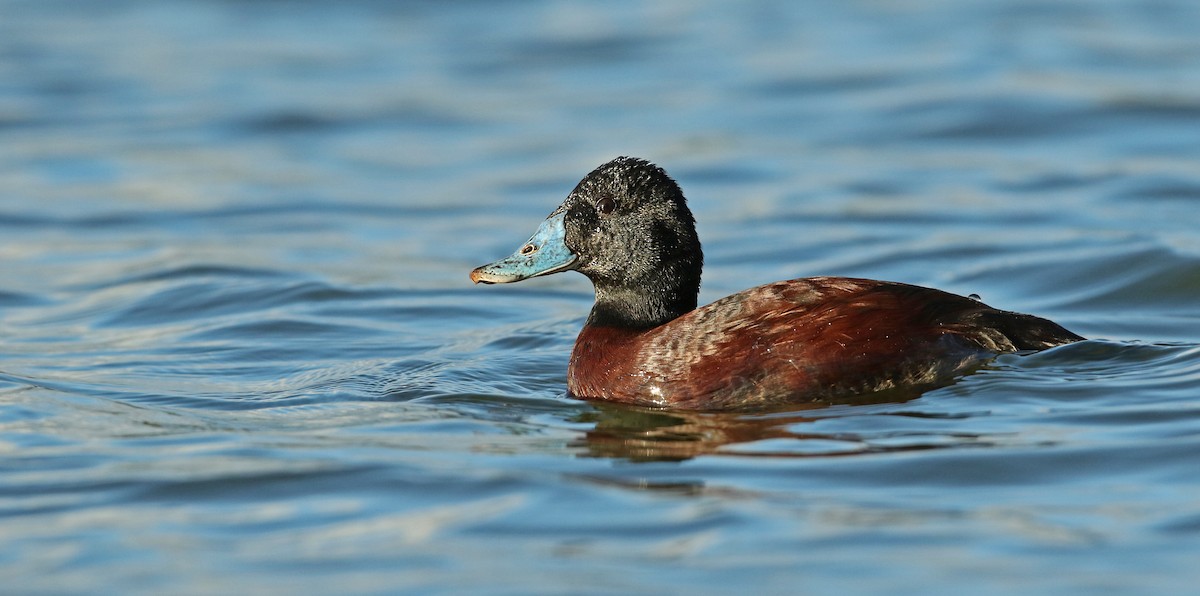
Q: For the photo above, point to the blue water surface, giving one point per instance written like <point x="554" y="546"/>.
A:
<point x="239" y="352"/>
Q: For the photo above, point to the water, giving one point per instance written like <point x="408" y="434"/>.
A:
<point x="239" y="352"/>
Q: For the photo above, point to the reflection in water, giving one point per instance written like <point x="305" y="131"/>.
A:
<point x="645" y="434"/>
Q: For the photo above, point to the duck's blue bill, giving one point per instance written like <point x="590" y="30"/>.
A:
<point x="545" y="253"/>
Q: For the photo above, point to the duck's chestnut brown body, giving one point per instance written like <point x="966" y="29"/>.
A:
<point x="627" y="227"/>
<point x="811" y="339"/>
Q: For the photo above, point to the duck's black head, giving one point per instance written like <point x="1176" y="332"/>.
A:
<point x="628" y="228"/>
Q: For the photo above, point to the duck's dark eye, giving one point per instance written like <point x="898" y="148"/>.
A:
<point x="606" y="205"/>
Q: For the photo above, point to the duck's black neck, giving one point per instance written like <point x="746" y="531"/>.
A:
<point x="649" y="302"/>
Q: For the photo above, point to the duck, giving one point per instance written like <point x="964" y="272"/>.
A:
<point x="627" y="227"/>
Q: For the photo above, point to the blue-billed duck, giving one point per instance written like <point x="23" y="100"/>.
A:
<point x="627" y="227"/>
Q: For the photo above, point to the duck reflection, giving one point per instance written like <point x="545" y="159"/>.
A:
<point x="645" y="434"/>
